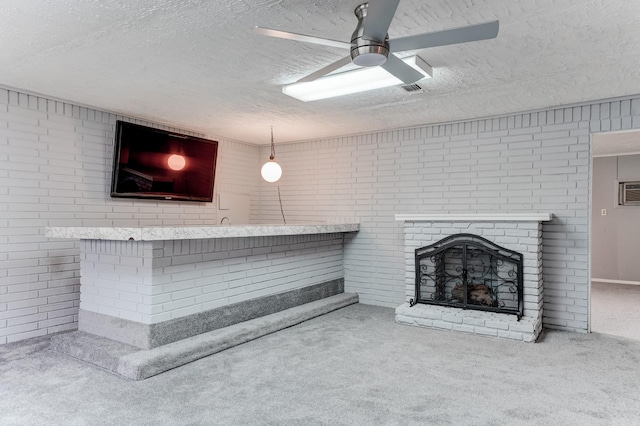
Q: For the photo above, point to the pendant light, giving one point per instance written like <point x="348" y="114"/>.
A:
<point x="271" y="171"/>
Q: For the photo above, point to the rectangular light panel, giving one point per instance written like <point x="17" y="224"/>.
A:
<point x="354" y="81"/>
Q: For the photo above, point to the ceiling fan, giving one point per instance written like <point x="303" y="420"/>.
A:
<point x="370" y="45"/>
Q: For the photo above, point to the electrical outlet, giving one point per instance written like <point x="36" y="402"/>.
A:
<point x="603" y="212"/>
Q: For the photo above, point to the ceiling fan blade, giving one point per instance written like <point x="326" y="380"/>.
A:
<point x="399" y="69"/>
<point x="379" y="16"/>
<point x="301" y="37"/>
<point x="326" y="70"/>
<point x="442" y="38"/>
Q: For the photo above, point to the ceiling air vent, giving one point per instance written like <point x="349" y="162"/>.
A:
<point x="629" y="194"/>
<point x="412" y="88"/>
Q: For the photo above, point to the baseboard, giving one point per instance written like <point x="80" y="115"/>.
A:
<point x="602" y="280"/>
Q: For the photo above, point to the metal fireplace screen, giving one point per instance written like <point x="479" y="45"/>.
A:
<point x="469" y="272"/>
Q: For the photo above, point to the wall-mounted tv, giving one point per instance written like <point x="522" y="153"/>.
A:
<point x="158" y="164"/>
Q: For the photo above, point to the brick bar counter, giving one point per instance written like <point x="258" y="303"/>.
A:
<point x="148" y="287"/>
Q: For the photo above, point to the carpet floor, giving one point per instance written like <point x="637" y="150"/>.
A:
<point x="615" y="309"/>
<point x="354" y="366"/>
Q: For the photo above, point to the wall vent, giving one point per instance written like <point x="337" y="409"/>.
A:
<point x="412" y="88"/>
<point x="629" y="194"/>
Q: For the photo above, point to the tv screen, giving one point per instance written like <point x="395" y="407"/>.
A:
<point x="158" y="164"/>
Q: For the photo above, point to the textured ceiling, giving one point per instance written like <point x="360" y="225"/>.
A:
<point x="197" y="65"/>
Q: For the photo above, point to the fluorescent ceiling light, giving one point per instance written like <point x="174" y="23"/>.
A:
<point x="355" y="81"/>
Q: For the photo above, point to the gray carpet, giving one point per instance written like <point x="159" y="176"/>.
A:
<point x="615" y="309"/>
<point x="354" y="366"/>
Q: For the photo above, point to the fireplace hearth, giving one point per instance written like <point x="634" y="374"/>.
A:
<point x="469" y="272"/>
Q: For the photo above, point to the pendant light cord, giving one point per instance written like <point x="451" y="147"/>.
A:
<point x="273" y="146"/>
<point x="281" y="210"/>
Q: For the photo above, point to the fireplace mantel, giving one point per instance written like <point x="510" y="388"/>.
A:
<point x="475" y="217"/>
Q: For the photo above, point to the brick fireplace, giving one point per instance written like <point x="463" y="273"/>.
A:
<point x="467" y="299"/>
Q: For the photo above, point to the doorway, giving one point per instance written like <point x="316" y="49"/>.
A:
<point x="615" y="235"/>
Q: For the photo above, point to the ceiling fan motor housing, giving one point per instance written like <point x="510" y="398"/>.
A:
<point x="364" y="52"/>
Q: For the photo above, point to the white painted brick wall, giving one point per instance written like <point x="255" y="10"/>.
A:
<point x="536" y="161"/>
<point x="151" y="282"/>
<point x="55" y="170"/>
<point x="55" y="167"/>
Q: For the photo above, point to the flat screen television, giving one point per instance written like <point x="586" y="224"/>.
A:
<point x="158" y="164"/>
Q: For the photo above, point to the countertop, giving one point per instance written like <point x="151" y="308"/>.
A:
<point x="194" y="232"/>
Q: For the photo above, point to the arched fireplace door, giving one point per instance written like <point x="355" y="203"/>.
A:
<point x="469" y="272"/>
